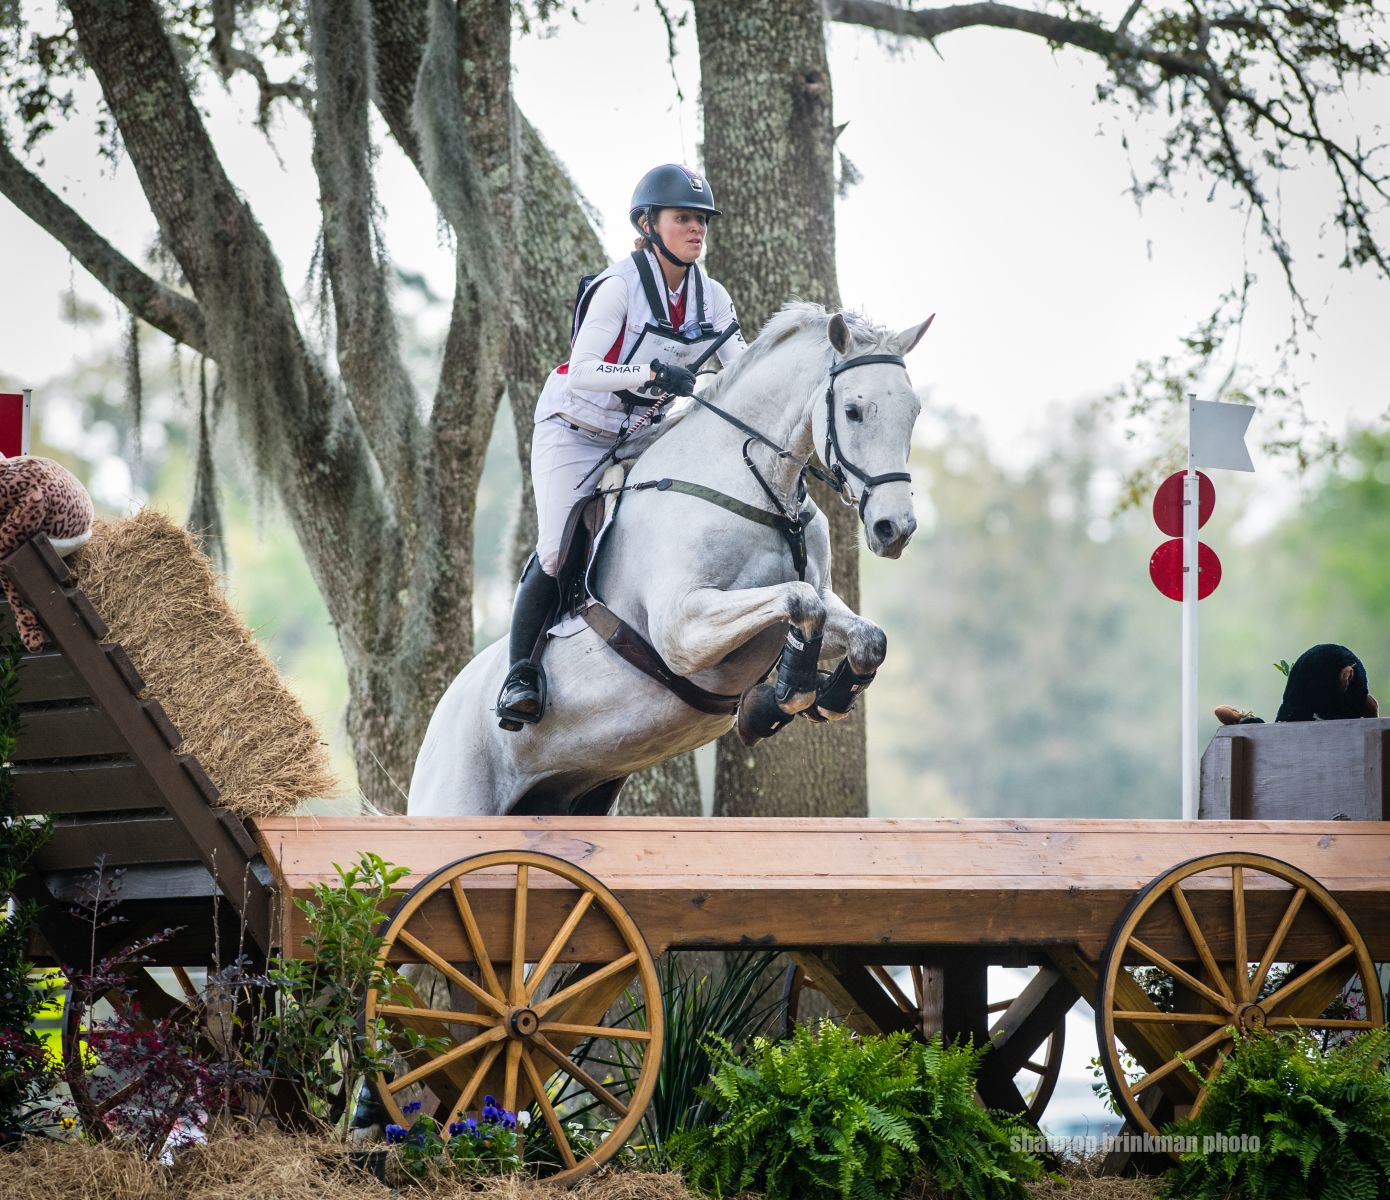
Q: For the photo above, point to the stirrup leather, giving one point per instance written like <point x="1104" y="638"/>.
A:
<point x="522" y="698"/>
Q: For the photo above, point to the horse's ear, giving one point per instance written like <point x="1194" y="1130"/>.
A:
<point x="909" y="338"/>
<point x="839" y="334"/>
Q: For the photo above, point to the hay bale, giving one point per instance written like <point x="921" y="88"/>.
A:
<point x="164" y="603"/>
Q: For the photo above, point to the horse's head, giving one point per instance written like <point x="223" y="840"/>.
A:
<point x="863" y="427"/>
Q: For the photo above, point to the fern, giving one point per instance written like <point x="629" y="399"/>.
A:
<point x="827" y="1114"/>
<point x="1316" y="1122"/>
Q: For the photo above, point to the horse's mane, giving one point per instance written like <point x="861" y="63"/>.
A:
<point x="792" y="319"/>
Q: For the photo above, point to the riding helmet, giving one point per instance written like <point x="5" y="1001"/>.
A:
<point x="671" y="186"/>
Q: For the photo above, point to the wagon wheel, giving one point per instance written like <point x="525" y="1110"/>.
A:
<point x="1178" y="974"/>
<point x="508" y="1037"/>
<point x="1036" y="1078"/>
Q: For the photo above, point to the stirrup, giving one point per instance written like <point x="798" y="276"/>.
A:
<point x="526" y="707"/>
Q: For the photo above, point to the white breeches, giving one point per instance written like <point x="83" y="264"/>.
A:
<point x="561" y="458"/>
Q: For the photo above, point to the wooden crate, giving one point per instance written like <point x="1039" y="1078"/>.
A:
<point x="1298" y="771"/>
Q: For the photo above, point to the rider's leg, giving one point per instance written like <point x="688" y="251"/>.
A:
<point x="561" y="457"/>
<point x="522" y="698"/>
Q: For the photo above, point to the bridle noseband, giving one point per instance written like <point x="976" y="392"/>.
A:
<point x="839" y="463"/>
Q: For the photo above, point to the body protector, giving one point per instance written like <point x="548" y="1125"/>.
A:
<point x="648" y="334"/>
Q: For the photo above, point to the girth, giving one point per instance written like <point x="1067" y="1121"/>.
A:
<point x="634" y="649"/>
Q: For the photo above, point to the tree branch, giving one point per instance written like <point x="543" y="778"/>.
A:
<point x="302" y="436"/>
<point x="231" y="58"/>
<point x="153" y="302"/>
<point x="400" y="29"/>
<point x="368" y="345"/>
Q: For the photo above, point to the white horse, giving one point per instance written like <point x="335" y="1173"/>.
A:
<point x="709" y="588"/>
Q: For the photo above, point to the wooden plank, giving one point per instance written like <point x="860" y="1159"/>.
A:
<point x="856" y="995"/>
<point x="77" y="843"/>
<point x="1225" y="778"/>
<point x="71" y="731"/>
<point x="36" y="578"/>
<point x="117" y="657"/>
<point x="101" y="785"/>
<point x="45" y="677"/>
<point x="154" y="710"/>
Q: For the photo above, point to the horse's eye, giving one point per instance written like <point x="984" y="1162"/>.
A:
<point x="854" y="413"/>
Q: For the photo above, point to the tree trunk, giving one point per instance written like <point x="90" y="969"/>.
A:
<point x="769" y="151"/>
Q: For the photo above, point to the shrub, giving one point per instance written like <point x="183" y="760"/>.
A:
<point x="827" y="1114"/>
<point x="1315" y="1122"/>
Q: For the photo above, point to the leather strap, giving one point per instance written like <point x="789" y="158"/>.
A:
<point x="632" y="648"/>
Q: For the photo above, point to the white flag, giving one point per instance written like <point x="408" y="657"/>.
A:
<point x="1217" y="435"/>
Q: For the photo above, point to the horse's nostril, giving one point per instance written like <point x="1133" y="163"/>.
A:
<point x="885" y="530"/>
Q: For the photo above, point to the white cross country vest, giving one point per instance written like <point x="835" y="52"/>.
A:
<point x="648" y="333"/>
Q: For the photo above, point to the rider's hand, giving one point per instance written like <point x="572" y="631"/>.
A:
<point x="672" y="379"/>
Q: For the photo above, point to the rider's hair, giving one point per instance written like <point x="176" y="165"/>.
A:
<point x="642" y="241"/>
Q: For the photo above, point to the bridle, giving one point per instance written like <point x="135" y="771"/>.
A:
<point x="839" y="463"/>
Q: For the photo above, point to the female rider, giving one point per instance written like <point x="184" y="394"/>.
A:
<point x="637" y="328"/>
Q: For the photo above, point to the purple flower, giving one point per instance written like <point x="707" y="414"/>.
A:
<point x="413" y="1107"/>
<point x="394" y="1133"/>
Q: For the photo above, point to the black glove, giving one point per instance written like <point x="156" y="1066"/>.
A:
<point x="671" y="379"/>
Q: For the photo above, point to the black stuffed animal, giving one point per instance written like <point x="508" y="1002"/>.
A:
<point x="1327" y="683"/>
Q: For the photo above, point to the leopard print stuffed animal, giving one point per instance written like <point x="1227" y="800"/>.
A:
<point x="38" y="495"/>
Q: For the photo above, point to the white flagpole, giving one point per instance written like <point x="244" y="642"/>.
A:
<point x="24" y="435"/>
<point x="1191" y="498"/>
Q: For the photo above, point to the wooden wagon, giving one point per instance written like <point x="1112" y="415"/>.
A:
<point x="546" y="927"/>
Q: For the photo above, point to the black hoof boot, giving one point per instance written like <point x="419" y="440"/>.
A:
<point x="522" y="698"/>
<point x="796" y="672"/>
<point x="758" y="715"/>
<point x="839" y="691"/>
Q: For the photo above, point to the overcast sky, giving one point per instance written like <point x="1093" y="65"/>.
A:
<point x="994" y="194"/>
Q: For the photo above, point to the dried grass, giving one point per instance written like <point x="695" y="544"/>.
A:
<point x="164" y="603"/>
<point x="272" y="1166"/>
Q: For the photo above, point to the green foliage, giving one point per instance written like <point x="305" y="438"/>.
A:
<point x="828" y="1114"/>
<point x="26" y="1071"/>
<point x="1321" y="1119"/>
<point x="1282" y="666"/>
<point x="314" y="1036"/>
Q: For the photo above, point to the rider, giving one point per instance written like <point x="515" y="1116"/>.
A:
<point x="637" y="328"/>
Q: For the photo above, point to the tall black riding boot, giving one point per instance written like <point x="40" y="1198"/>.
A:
<point x="522" y="699"/>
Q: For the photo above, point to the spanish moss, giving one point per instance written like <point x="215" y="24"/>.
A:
<point x="204" y="513"/>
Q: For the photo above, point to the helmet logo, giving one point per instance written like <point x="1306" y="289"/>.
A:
<point x="696" y="182"/>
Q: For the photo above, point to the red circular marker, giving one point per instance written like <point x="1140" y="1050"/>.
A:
<point x="1165" y="569"/>
<point x="1168" y="503"/>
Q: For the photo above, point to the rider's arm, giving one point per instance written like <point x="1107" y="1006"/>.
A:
<point x="603" y="325"/>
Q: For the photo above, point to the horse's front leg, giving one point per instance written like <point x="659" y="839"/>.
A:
<point x="703" y="627"/>
<point x="864" y="646"/>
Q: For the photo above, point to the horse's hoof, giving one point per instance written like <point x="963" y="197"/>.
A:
<point x="758" y="715"/>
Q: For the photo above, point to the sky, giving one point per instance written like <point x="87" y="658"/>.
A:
<point x="994" y="193"/>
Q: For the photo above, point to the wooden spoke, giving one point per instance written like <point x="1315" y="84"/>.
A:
<point x="1179" y="974"/>
<point x="557" y="943"/>
<point x="495" y="1034"/>
<point x="450" y="972"/>
<point x="999" y="1006"/>
<point x="557" y="1131"/>
<point x="1280" y="995"/>
<point x="617" y="1034"/>
<point x="1158" y="1016"/>
<point x="578" y="1074"/>
<point x="475" y="939"/>
<point x="1276" y="941"/>
<point x="475" y="1081"/>
<point x="185" y="983"/>
<point x="918" y="985"/>
<point x="1036" y="1067"/>
<point x="890" y="985"/>
<point x="509" y="1074"/>
<point x="1242" y="952"/>
<point x="1199" y="943"/>
<point x="1177" y="1061"/>
<point x="574" y="989"/>
<point x="442" y="1015"/>
<point x="1206" y="1083"/>
<point x="518" y="989"/>
<point x="1319" y="1023"/>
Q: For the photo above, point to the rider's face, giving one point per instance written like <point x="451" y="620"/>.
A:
<point x="682" y="231"/>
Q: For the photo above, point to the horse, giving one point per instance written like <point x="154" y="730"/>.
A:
<point x="711" y="586"/>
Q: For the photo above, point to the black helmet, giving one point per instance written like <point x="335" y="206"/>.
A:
<point x="670" y="186"/>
